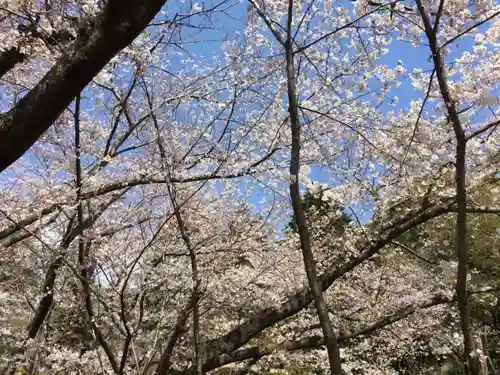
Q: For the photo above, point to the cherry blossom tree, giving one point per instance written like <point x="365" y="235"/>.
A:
<point x="144" y="231"/>
<point x="33" y="27"/>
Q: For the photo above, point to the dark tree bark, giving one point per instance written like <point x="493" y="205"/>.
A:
<point x="73" y="230"/>
<point x="13" y="56"/>
<point x="471" y="365"/>
<point x="298" y="209"/>
<point x="118" y="24"/>
<point x="9" y="59"/>
<point x="265" y="318"/>
<point x="83" y="251"/>
<point x="179" y="328"/>
<point x="21" y="224"/>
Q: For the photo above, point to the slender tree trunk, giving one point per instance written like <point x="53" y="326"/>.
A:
<point x="83" y="256"/>
<point x="462" y="248"/>
<point x="462" y="251"/>
<point x="197" y="342"/>
<point x="166" y="357"/>
<point x="298" y="210"/>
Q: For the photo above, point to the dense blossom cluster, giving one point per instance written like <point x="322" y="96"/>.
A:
<point x="185" y="150"/>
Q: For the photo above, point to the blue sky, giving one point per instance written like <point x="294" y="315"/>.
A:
<point x="227" y="26"/>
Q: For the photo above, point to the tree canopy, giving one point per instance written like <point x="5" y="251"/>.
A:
<point x="249" y="187"/>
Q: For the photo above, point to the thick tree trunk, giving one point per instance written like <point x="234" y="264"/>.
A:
<point x="9" y="58"/>
<point x="119" y="23"/>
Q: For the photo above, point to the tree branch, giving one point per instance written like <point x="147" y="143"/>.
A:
<point x="469" y="29"/>
<point x="318" y="341"/>
<point x="166" y="356"/>
<point x="298" y="207"/>
<point x="482" y="129"/>
<point x="83" y="248"/>
<point x="265" y="318"/>
<point x="115" y="27"/>
<point x="462" y="249"/>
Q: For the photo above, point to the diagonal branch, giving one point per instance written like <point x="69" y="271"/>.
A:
<point x="13" y="56"/>
<point x="115" y="186"/>
<point x="482" y="129"/>
<point x="27" y="221"/>
<point x="165" y="360"/>
<point x="343" y="27"/>
<point x="114" y="28"/>
<point x="265" y="318"/>
<point x="47" y="299"/>
<point x="268" y="22"/>
<point x="469" y="29"/>
<point x="317" y="341"/>
<point x="412" y="252"/>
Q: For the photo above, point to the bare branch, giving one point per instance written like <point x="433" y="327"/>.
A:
<point x="469" y="29"/>
<point x="482" y="129"/>
<point x="343" y="27"/>
<point x="268" y="22"/>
